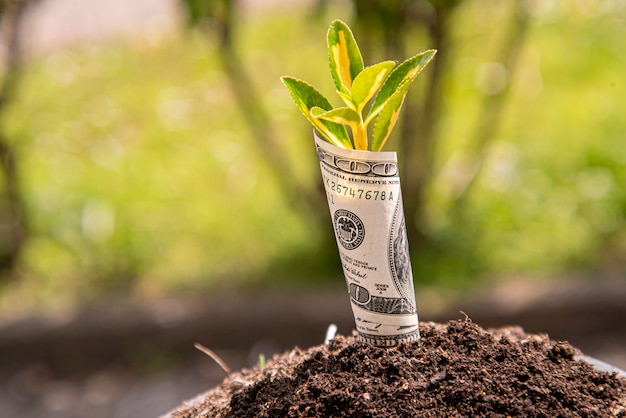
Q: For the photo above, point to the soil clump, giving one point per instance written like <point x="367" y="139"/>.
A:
<point x="457" y="369"/>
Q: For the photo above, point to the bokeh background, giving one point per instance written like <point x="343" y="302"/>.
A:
<point x="159" y="186"/>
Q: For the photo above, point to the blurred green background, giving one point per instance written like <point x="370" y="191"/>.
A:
<point x="139" y="171"/>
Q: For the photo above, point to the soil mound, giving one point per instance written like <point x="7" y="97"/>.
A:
<point x="458" y="369"/>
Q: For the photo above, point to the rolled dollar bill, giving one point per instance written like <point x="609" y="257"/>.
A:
<point x="365" y="202"/>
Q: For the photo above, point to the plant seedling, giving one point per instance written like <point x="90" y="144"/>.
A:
<point x="371" y="94"/>
<point x="261" y="361"/>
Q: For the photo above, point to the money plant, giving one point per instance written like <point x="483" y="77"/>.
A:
<point x="372" y="96"/>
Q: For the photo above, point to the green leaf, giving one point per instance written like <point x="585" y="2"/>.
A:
<point x="368" y="81"/>
<point x="387" y="118"/>
<point x="404" y="74"/>
<point x="306" y="98"/>
<point x="345" y="58"/>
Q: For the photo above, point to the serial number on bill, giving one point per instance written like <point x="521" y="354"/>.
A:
<point x="348" y="191"/>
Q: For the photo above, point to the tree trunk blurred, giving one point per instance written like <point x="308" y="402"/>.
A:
<point x="383" y="29"/>
<point x="489" y="121"/>
<point x="217" y="18"/>
<point x="12" y="219"/>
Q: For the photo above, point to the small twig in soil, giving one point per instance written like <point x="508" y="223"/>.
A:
<point x="466" y="319"/>
<point x="214" y="356"/>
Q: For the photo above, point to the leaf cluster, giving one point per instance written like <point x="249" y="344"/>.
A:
<point x="371" y="95"/>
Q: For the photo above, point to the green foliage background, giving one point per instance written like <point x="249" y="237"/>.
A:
<point x="141" y="176"/>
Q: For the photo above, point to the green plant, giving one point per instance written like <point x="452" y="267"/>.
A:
<point x="385" y="85"/>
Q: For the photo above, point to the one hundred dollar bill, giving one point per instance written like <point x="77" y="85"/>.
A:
<point x="365" y="202"/>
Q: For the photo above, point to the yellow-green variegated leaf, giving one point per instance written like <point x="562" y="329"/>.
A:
<point x="368" y="81"/>
<point x="347" y="99"/>
<point x="343" y="115"/>
<point x="349" y="117"/>
<point x="386" y="120"/>
<point x="306" y="98"/>
<point x="403" y="74"/>
<point x="345" y="58"/>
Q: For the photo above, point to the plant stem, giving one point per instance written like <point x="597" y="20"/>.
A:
<point x="360" y="137"/>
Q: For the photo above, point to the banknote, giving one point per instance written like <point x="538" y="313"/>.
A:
<point x="365" y="202"/>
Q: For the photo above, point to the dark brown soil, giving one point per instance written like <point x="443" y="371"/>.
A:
<point x="458" y="369"/>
